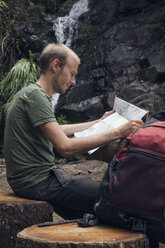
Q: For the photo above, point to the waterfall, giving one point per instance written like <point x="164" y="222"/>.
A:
<point x="54" y="100"/>
<point x="64" y="27"/>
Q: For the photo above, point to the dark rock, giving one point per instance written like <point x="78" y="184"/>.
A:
<point x="2" y="162"/>
<point x="143" y="95"/>
<point x="157" y="57"/>
<point x="119" y="43"/>
<point x="110" y="99"/>
<point x="107" y="8"/>
<point x="122" y="56"/>
<point x="143" y="63"/>
<point x="132" y="91"/>
<point x="132" y="7"/>
<point x="82" y="111"/>
<point x="152" y="104"/>
<point x="79" y="92"/>
<point x="156" y="73"/>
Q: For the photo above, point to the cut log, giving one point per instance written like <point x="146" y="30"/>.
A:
<point x="18" y="213"/>
<point x="72" y="236"/>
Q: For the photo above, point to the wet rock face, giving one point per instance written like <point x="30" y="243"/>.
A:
<point x="122" y="49"/>
<point x="129" y="47"/>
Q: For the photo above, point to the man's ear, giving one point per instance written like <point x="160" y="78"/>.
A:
<point x="55" y="64"/>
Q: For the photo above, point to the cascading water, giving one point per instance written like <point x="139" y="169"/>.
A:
<point x="64" y="27"/>
<point x="54" y="100"/>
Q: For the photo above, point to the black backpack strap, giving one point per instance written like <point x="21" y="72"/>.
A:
<point x="153" y="243"/>
<point x="89" y="220"/>
<point x="160" y="116"/>
<point x="86" y="221"/>
<point x="56" y="223"/>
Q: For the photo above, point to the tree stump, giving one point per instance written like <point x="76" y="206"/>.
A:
<point x="72" y="236"/>
<point x="18" y="213"/>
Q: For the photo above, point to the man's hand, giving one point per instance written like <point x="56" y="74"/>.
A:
<point x="129" y="127"/>
<point x="106" y="114"/>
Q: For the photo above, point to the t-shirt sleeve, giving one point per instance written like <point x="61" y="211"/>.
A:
<point x="38" y="108"/>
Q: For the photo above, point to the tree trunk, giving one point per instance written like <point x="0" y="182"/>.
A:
<point x="72" y="236"/>
<point x="18" y="213"/>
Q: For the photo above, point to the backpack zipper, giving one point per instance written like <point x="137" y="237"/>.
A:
<point x="150" y="154"/>
<point x="154" y="125"/>
<point x="145" y="126"/>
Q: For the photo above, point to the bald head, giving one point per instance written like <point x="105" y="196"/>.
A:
<point x="56" y="51"/>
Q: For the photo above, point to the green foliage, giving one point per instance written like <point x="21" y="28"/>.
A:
<point x="35" y="9"/>
<point x="2" y="6"/>
<point x="83" y="48"/>
<point x="73" y="107"/>
<point x="7" y="39"/>
<point x="23" y="71"/>
<point x="84" y="32"/>
<point x="62" y="120"/>
<point x="1" y="128"/>
<point x="34" y="12"/>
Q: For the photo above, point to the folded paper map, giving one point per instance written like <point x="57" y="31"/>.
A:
<point x="124" y="111"/>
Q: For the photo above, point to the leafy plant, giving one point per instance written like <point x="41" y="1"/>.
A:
<point x="7" y="39"/>
<point x="35" y="9"/>
<point x="62" y="120"/>
<point x="23" y="71"/>
<point x="84" y="32"/>
<point x="2" y="6"/>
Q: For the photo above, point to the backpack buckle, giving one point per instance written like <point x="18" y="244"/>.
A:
<point x="88" y="220"/>
<point x="139" y="225"/>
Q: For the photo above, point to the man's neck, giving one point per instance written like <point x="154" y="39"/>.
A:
<point x="45" y="83"/>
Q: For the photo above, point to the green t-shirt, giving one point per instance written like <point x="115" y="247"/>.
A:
<point x="28" y="152"/>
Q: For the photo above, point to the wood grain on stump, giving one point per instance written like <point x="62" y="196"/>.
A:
<point x="72" y="236"/>
<point x="18" y="213"/>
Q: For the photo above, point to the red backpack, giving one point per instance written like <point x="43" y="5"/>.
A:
<point x="132" y="191"/>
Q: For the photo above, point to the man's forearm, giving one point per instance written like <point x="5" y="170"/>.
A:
<point x="69" y="129"/>
<point x="83" y="144"/>
<point x="67" y="146"/>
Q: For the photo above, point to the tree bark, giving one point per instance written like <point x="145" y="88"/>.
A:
<point x="72" y="236"/>
<point x="18" y="213"/>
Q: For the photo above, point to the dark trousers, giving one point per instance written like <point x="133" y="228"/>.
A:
<point x="71" y="196"/>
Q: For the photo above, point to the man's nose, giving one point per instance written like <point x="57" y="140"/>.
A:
<point x="73" y="81"/>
